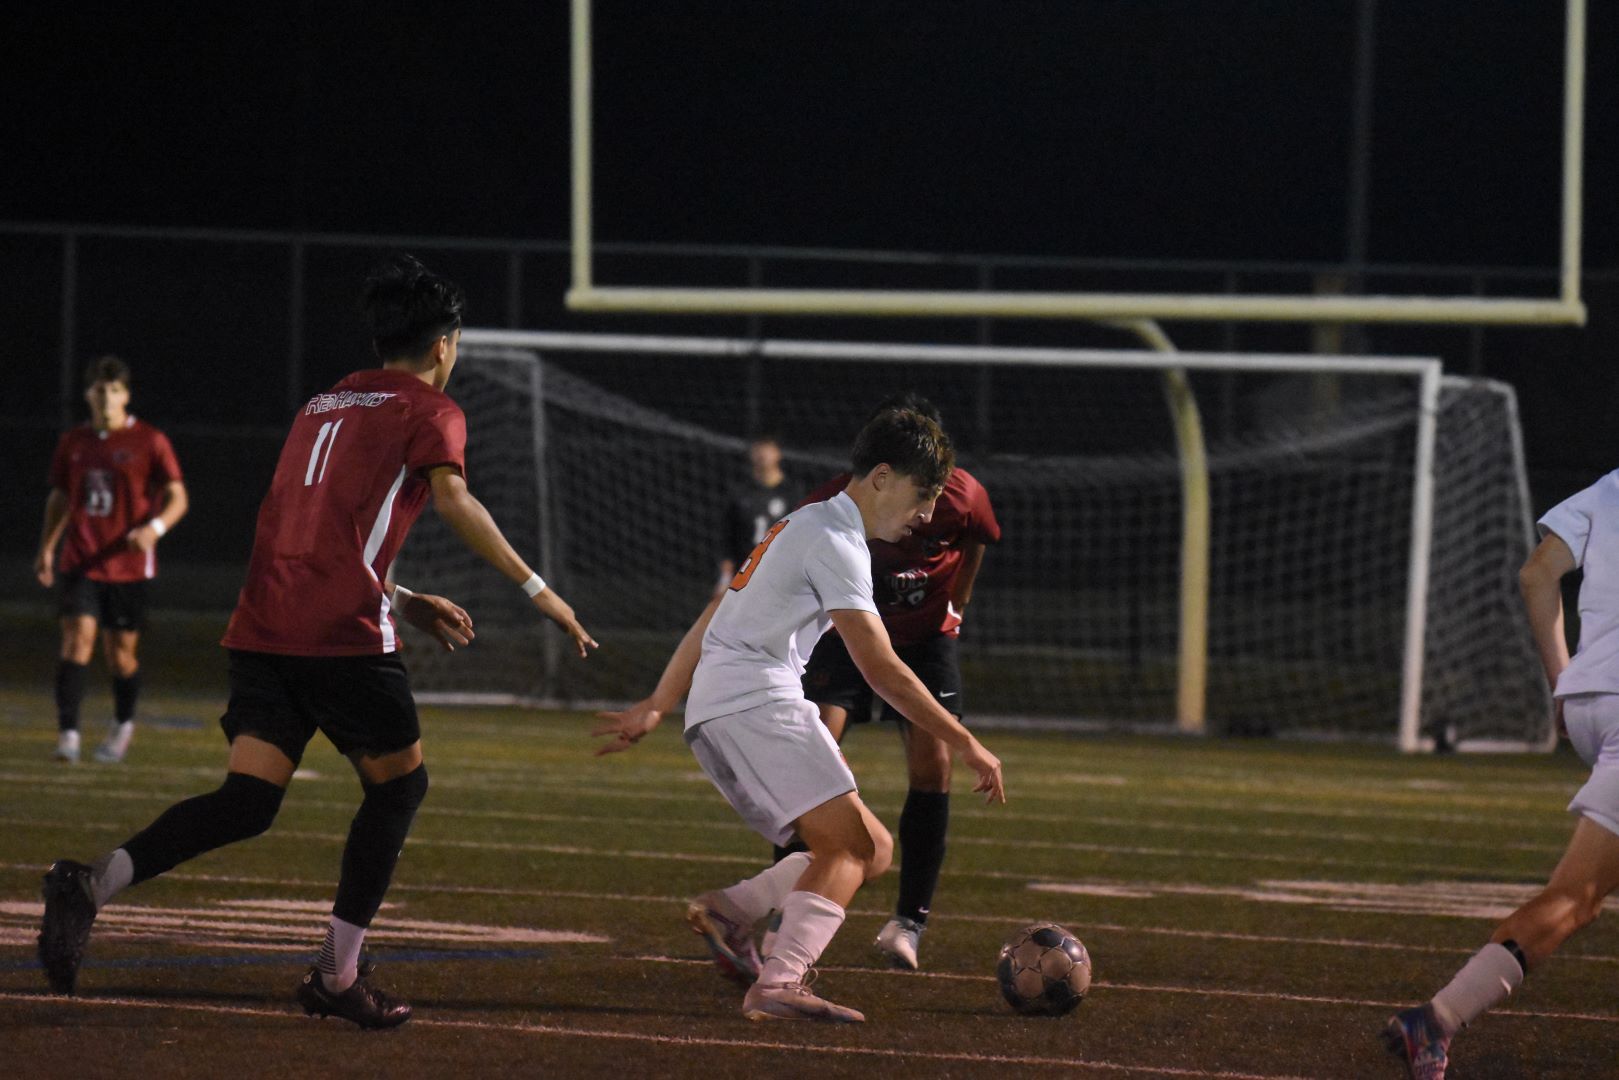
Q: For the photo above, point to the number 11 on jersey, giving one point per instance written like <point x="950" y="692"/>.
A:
<point x="328" y="437"/>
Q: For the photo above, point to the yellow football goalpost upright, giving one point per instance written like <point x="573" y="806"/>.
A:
<point x="1135" y="313"/>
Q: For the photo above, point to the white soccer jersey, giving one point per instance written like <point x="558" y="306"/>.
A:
<point x="1588" y="523"/>
<point x="812" y="562"/>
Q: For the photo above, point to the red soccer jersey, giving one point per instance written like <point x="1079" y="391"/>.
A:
<point x="112" y="480"/>
<point x="914" y="577"/>
<point x="350" y="483"/>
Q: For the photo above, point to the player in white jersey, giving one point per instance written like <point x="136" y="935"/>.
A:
<point x="1581" y="532"/>
<point x="764" y="746"/>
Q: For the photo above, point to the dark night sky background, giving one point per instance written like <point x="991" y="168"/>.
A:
<point x="1169" y="129"/>
<point x="1151" y="128"/>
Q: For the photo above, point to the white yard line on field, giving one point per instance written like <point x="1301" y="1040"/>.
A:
<point x="557" y="1031"/>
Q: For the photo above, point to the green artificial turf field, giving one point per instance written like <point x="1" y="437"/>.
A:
<point x="1254" y="909"/>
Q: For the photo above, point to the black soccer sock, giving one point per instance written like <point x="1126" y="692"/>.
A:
<point x="126" y="690"/>
<point x="242" y="807"/>
<point x="69" y="694"/>
<point x="376" y="839"/>
<point x="794" y="846"/>
<point x="922" y="827"/>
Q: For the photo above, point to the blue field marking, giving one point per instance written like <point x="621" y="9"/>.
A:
<point x="411" y="956"/>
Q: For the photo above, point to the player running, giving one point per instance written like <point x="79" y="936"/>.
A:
<point x="313" y="643"/>
<point x="1581" y="532"/>
<point x="924" y="582"/>
<point x="764" y="746"/>
<point x="116" y="490"/>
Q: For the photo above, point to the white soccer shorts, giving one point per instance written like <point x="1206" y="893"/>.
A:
<point x="774" y="763"/>
<point x="1593" y="727"/>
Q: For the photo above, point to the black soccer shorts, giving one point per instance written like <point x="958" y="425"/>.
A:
<point x="362" y="703"/>
<point x="115" y="605"/>
<point x="831" y="677"/>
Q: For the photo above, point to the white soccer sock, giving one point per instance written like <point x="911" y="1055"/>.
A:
<point x="339" y="960"/>
<point x="118" y="735"/>
<point x="808" y="922"/>
<point x="110" y="875"/>
<point x="763" y="893"/>
<point x="1482" y="984"/>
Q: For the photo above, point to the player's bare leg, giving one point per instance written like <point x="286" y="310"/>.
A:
<point x="848" y="847"/>
<point x="120" y="649"/>
<point x="395" y="785"/>
<point x="836" y="719"/>
<point x="242" y="807"/>
<point x="78" y="644"/>
<point x="1571" y="900"/>
<point x="922" y="828"/>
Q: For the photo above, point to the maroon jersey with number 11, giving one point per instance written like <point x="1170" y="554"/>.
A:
<point x="112" y="480"/>
<point x="350" y="483"/>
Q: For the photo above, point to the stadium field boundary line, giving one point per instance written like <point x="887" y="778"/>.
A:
<point x="1011" y="816"/>
<point x="1257" y="783"/>
<point x="1554" y="818"/>
<point x="677" y="902"/>
<point x="1160" y="988"/>
<point x="1285" y="859"/>
<point x="670" y="1040"/>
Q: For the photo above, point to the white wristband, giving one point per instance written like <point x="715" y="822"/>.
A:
<point x="157" y="526"/>
<point x="401" y="594"/>
<point x="534" y="585"/>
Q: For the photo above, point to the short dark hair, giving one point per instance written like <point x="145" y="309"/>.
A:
<point x="408" y="307"/>
<point x="908" y="399"/>
<point x="909" y="442"/>
<point x="107" y="368"/>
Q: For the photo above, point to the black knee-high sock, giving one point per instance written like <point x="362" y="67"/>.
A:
<point x="922" y="827"/>
<point x="794" y="846"/>
<point x="126" y="690"/>
<point x="69" y="694"/>
<point x="376" y="838"/>
<point x="242" y="807"/>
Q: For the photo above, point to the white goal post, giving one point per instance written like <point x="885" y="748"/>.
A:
<point x="606" y="454"/>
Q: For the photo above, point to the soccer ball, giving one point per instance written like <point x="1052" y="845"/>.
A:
<point x="1043" y="970"/>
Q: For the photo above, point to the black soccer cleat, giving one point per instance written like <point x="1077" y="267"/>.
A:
<point x="361" y="1002"/>
<point x="70" y="910"/>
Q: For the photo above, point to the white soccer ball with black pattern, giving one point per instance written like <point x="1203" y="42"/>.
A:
<point x="1044" y="970"/>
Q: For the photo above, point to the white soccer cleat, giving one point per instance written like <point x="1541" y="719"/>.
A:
<point x="728" y="934"/>
<point x="67" y="748"/>
<point x="116" y="744"/>
<point x="899" y="940"/>
<point x="794" y="1001"/>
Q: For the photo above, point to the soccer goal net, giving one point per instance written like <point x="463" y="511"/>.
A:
<point x="608" y="461"/>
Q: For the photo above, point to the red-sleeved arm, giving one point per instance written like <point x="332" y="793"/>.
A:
<point x="165" y="465"/>
<point x="440" y="438"/>
<point x="985" y="526"/>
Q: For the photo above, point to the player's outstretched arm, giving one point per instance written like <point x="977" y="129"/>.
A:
<point x="887" y="674"/>
<point x="49" y="535"/>
<point x="1540" y="582"/>
<point x="477" y="529"/>
<point x="631" y="725"/>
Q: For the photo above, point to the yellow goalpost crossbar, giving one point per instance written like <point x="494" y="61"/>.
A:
<point x="1565" y="309"/>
